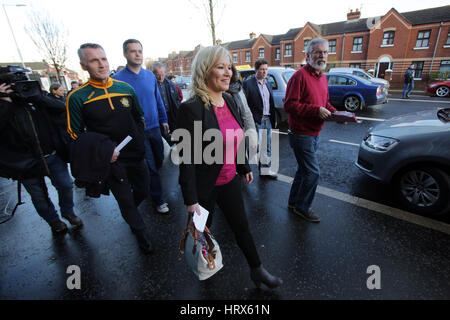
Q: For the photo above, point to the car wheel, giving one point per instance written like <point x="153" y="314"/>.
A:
<point x="352" y="103"/>
<point x="424" y="190"/>
<point x="442" y="91"/>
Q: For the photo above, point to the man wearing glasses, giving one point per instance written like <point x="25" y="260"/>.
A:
<point x="307" y="105"/>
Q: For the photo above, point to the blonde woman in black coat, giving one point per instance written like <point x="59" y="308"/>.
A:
<point x="209" y="183"/>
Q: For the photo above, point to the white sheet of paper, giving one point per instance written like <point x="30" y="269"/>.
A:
<point x="200" y="220"/>
<point x="123" y="144"/>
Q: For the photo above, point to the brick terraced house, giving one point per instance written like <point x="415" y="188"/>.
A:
<point x="387" y="45"/>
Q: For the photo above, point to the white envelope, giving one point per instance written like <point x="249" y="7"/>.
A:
<point x="123" y="144"/>
<point x="200" y="220"/>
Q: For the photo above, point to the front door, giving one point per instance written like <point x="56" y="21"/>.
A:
<point x="382" y="69"/>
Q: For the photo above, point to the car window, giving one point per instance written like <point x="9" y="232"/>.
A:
<point x="361" y="74"/>
<point x="351" y="82"/>
<point x="366" y="82"/>
<point x="272" y="81"/>
<point x="246" y="74"/>
<point x="287" y="75"/>
<point x="337" y="81"/>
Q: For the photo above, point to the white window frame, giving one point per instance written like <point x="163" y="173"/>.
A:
<point x="259" y="53"/>
<point x="286" y="50"/>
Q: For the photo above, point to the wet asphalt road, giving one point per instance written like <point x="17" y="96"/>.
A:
<point x="328" y="260"/>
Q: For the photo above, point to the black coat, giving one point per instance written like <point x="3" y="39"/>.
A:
<point x="198" y="180"/>
<point x="255" y="102"/>
<point x="174" y="104"/>
<point x="21" y="153"/>
<point x="90" y="165"/>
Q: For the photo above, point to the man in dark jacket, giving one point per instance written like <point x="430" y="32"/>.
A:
<point x="409" y="81"/>
<point x="258" y="92"/>
<point x="32" y="147"/>
<point x="169" y="96"/>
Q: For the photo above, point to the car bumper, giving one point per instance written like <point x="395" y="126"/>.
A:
<point x="430" y="91"/>
<point x="374" y="163"/>
<point x="382" y="99"/>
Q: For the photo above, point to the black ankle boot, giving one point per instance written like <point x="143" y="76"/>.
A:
<point x="260" y="275"/>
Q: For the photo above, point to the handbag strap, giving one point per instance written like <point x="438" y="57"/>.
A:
<point x="186" y="231"/>
<point x="207" y="235"/>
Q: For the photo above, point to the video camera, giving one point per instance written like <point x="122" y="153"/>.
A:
<point x="23" y="88"/>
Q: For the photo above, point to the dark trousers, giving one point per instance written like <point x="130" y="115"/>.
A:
<point x="154" y="156"/>
<point x="229" y="199"/>
<point x="60" y="178"/>
<point x="131" y="192"/>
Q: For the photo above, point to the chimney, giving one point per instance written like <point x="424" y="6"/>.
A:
<point x="354" y="15"/>
<point x="252" y="35"/>
<point x="218" y="42"/>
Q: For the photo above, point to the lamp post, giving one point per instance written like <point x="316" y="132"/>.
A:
<point x="12" y="32"/>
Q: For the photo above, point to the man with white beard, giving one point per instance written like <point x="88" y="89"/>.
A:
<point x="307" y="105"/>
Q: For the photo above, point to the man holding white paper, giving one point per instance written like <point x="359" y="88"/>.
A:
<point x="111" y="108"/>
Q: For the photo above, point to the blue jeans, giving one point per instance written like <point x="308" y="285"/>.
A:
<point x="154" y="156"/>
<point x="408" y="88"/>
<point x="307" y="176"/>
<point x="61" y="180"/>
<point x="265" y="156"/>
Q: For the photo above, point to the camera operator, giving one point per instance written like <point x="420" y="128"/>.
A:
<point x="32" y="146"/>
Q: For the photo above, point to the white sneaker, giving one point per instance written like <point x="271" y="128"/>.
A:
<point x="266" y="172"/>
<point x="164" y="208"/>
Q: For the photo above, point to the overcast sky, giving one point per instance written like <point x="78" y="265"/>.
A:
<point x="164" y="26"/>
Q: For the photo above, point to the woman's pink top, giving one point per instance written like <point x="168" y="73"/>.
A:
<point x="232" y="136"/>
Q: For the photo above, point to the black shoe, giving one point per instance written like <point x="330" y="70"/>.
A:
<point x="143" y="241"/>
<point x="309" y="215"/>
<point x="74" y="220"/>
<point x="260" y="275"/>
<point x="58" y="226"/>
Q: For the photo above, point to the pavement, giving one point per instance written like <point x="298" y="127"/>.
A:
<point x="334" y="259"/>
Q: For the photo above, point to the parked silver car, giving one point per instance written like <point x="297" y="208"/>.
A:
<point x="412" y="152"/>
<point x="361" y="73"/>
<point x="279" y="78"/>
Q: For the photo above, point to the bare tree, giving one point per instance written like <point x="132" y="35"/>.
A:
<point x="209" y="7"/>
<point x="49" y="38"/>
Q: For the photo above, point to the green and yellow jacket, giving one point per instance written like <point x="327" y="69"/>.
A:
<point x="110" y="108"/>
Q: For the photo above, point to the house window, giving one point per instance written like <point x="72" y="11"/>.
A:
<point x="357" y="44"/>
<point x="447" y="43"/>
<point x="332" y="46"/>
<point x="418" y="69"/>
<point x="355" y="65"/>
<point x="445" y="66"/>
<point x="388" y="38"/>
<point x="277" y="54"/>
<point x="305" y="44"/>
<point x="247" y="56"/>
<point x="261" y="52"/>
<point x="235" y="57"/>
<point x="423" y="39"/>
<point x="288" y="50"/>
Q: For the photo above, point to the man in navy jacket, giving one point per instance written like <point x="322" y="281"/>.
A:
<point x="258" y="92"/>
<point x="169" y="96"/>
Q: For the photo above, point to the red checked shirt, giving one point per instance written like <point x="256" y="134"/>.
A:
<point x="306" y="92"/>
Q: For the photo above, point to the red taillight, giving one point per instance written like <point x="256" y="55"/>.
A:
<point x="378" y="90"/>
